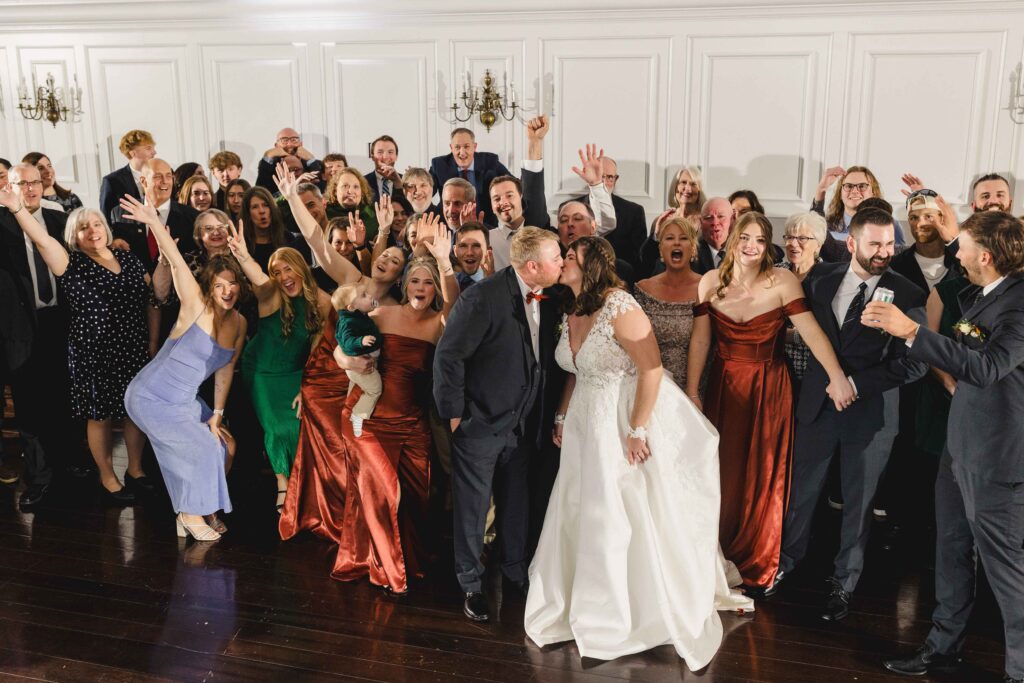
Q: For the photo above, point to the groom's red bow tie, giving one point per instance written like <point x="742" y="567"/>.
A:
<point x="534" y="296"/>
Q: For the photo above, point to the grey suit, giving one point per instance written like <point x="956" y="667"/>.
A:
<point x="979" y="493"/>
<point x="863" y="433"/>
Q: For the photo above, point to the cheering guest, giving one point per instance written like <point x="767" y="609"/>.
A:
<point x="803" y="237"/>
<point x="107" y="291"/>
<point x="746" y="303"/>
<point x="978" y="495"/>
<point x="418" y="187"/>
<point x="332" y="164"/>
<point x="687" y="192"/>
<point x="863" y="436"/>
<point x="288" y="143"/>
<point x="476" y="168"/>
<point x="390" y="462"/>
<point x="384" y="179"/>
<point x="196" y="192"/>
<point x="138" y="147"/>
<point x="264" y="226"/>
<point x="187" y="170"/>
<point x="52" y="190"/>
<point x="234" y="198"/>
<point x="856" y="184"/>
<point x="292" y="311"/>
<point x="192" y="447"/>
<point x="629" y="229"/>
<point x="473" y="254"/>
<point x="351" y="195"/>
<point x="224" y="167"/>
<point x="669" y="297"/>
<point x="211" y="237"/>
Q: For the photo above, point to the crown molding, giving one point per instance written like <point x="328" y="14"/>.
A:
<point x="22" y="16"/>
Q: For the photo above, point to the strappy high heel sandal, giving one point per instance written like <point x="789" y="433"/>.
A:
<point x="200" y="532"/>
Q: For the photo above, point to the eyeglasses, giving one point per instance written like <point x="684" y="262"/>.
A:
<point x="799" y="239"/>
<point x="29" y="183"/>
<point x="210" y="229"/>
<point x="860" y="187"/>
<point x="290" y="138"/>
<point x="606" y="178"/>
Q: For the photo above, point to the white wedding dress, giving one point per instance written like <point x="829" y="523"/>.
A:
<point x="629" y="557"/>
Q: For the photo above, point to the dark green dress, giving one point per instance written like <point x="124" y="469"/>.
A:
<point x="933" y="402"/>
<point x="272" y="370"/>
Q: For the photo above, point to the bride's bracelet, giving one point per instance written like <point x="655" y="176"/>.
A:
<point x="560" y="419"/>
<point x="638" y="433"/>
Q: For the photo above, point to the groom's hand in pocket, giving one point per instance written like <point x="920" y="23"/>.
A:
<point x="454" y="423"/>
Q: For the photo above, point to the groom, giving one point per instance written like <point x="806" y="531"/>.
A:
<point x="979" y="492"/>
<point x="490" y="369"/>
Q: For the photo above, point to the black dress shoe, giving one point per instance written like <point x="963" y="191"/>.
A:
<point x="33" y="494"/>
<point x="921" y="662"/>
<point x="120" y="497"/>
<point x="771" y="590"/>
<point x="838" y="604"/>
<point x="139" y="484"/>
<point x="475" y="607"/>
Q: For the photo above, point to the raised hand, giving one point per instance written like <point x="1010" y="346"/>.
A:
<point x="356" y="229"/>
<point x="950" y="226"/>
<point x="385" y="213"/>
<point x="467" y="213"/>
<point x="487" y="264"/>
<point x="9" y="199"/>
<point x="236" y="242"/>
<point x="537" y="128"/>
<point x="590" y="165"/>
<point x="440" y="246"/>
<point x="286" y="182"/>
<point x="912" y="182"/>
<point x="831" y="175"/>
<point x="139" y="212"/>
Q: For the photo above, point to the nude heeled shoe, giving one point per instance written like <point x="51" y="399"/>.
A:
<point x="200" y="532"/>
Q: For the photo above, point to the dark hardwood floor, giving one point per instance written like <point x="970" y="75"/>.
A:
<point x="94" y="593"/>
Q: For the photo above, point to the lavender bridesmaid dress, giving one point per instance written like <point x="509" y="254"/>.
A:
<point x="162" y="400"/>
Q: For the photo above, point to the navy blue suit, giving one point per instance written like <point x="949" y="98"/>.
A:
<point x="486" y="167"/>
<point x="115" y="185"/>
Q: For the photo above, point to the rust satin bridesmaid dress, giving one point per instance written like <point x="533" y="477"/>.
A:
<point x="387" y="498"/>
<point x="316" y="488"/>
<point x="749" y="399"/>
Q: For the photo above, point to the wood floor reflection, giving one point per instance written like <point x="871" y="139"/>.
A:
<point x="93" y="593"/>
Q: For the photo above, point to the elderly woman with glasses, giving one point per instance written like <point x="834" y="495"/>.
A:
<point x="210" y="233"/>
<point x="855" y="184"/>
<point x="804" y="234"/>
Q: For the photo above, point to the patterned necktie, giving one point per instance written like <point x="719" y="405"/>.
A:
<point x="464" y="173"/>
<point x="856" y="306"/>
<point x="385" y="187"/>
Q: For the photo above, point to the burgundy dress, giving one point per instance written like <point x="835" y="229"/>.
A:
<point x="390" y="462"/>
<point x="749" y="399"/>
<point x="316" y="487"/>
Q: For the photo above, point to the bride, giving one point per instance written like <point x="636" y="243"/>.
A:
<point x="628" y="558"/>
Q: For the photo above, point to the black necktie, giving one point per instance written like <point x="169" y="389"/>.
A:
<point x="721" y="255"/>
<point x="979" y="295"/>
<point x="464" y="173"/>
<point x="856" y="306"/>
<point x="43" y="285"/>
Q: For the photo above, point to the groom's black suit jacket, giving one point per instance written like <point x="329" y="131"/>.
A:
<point x="985" y="430"/>
<point x="485" y="371"/>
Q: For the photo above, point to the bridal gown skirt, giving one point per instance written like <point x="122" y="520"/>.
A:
<point x="629" y="559"/>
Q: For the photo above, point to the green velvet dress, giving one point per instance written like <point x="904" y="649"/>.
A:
<point x="272" y="366"/>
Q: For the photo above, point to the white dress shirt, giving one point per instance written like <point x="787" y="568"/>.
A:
<point x="137" y="175"/>
<point x="987" y="289"/>
<point x="30" y="252"/>
<point x="848" y="289"/>
<point x="532" y="315"/>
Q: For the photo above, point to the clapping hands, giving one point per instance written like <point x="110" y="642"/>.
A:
<point x="590" y="165"/>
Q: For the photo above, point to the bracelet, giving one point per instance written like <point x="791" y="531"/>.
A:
<point x="560" y="418"/>
<point x="22" y="206"/>
<point x="361" y="247"/>
<point x="638" y="433"/>
<point x="450" y="271"/>
<point x="218" y="411"/>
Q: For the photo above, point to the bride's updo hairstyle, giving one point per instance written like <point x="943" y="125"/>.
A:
<point x="599" y="276"/>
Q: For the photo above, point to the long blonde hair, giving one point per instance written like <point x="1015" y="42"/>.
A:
<point x="766" y="266"/>
<point x="293" y="259"/>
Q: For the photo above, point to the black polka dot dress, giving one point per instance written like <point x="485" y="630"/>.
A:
<point x="108" y="342"/>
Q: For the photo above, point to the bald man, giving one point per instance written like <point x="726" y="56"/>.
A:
<point x="287" y="143"/>
<point x="576" y="219"/>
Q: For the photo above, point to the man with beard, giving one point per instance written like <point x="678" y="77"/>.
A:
<point x="863" y="433"/>
<point x="979" y="497"/>
<point x="991" y="192"/>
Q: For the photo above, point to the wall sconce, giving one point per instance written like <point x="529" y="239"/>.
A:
<point x="1017" y="95"/>
<point x="488" y="101"/>
<point x="52" y="103"/>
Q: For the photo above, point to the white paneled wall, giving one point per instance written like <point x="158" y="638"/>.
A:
<point x="760" y="94"/>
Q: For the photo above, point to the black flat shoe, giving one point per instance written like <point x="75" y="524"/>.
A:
<point x="475" y="607"/>
<point x="141" y="484"/>
<point x="838" y="604"/>
<point x="33" y="495"/>
<point x="771" y="590"/>
<point x="921" y="662"/>
<point x="120" y="497"/>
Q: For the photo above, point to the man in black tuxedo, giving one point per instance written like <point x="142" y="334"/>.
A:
<point x="863" y="433"/>
<point x="979" y="493"/>
<point x="384" y="177"/>
<point x="629" y="221"/>
<point x="478" y="168"/>
<point x="40" y="386"/>
<point x="138" y="147"/>
<point x="490" y="374"/>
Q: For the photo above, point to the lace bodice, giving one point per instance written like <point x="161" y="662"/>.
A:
<point x="600" y="360"/>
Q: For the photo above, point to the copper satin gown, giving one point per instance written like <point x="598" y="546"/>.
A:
<point x="387" y="496"/>
<point x="749" y="399"/>
<point x="316" y="488"/>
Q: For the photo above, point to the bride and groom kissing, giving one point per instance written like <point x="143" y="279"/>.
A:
<point x="628" y="557"/>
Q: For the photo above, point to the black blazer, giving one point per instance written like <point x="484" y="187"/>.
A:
<point x="876" y="361"/>
<point x="630" y="231"/>
<point x="985" y="429"/>
<point x="181" y="221"/>
<point x="485" y="371"/>
<point x="371" y="179"/>
<point x="14" y="257"/>
<point x="115" y="185"/>
<point x="535" y="203"/>
<point x="486" y="167"/>
<point x="906" y="265"/>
